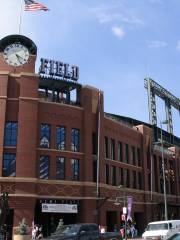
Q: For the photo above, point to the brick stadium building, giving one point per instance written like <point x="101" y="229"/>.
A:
<point x="49" y="152"/>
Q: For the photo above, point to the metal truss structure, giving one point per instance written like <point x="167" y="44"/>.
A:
<point x="154" y="89"/>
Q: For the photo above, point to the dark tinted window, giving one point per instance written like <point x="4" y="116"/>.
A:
<point x="120" y="154"/>
<point x="106" y="147"/>
<point x="45" y="136"/>
<point x="60" y="168"/>
<point x="44" y="167"/>
<point x="107" y="174"/>
<point x="75" y="140"/>
<point x="10" y="134"/>
<point x="9" y="165"/>
<point x="60" y="138"/>
<point x="75" y="169"/>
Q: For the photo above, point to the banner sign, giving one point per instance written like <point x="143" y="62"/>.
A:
<point x="59" y="208"/>
<point x="58" y="70"/>
<point x="129" y="206"/>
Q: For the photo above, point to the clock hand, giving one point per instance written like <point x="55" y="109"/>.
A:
<point x="19" y="57"/>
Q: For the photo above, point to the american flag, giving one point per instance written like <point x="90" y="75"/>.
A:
<point x="31" y="5"/>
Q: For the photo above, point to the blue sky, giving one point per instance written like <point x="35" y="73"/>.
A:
<point x="115" y="43"/>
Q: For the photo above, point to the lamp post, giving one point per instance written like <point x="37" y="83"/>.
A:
<point x="163" y="170"/>
<point x="125" y="225"/>
<point x="124" y="210"/>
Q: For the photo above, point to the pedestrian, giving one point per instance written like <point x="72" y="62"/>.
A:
<point x="34" y="232"/>
<point x="132" y="230"/>
<point x="39" y="233"/>
<point x="116" y="229"/>
<point x="102" y="229"/>
<point x="122" y="231"/>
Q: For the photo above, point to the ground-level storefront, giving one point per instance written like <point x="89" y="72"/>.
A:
<point x="47" y="212"/>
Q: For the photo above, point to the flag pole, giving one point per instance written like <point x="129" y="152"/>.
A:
<point x="20" y="17"/>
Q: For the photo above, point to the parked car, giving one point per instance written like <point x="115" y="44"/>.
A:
<point x="161" y="230"/>
<point x="175" y="237"/>
<point x="83" y="231"/>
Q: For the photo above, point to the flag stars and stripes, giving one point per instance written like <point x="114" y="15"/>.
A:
<point x="31" y="5"/>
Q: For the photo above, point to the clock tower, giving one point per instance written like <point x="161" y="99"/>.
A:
<point x="18" y="107"/>
<point x="17" y="54"/>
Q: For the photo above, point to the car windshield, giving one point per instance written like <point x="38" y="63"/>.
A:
<point x="159" y="226"/>
<point x="68" y="229"/>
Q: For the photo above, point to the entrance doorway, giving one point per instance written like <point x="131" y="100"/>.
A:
<point x="138" y="216"/>
<point x="9" y="224"/>
<point x="50" y="221"/>
<point x="111" y="220"/>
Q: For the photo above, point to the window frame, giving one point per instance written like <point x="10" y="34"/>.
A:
<point x="61" y="137"/>
<point x="62" y="168"/>
<point x="47" y="159"/>
<point x="45" y="135"/>
<point x="10" y="133"/>
<point x="75" y="173"/>
<point x="13" y="174"/>
<point x="75" y="136"/>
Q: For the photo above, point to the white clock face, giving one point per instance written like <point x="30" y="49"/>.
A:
<point x="16" y="54"/>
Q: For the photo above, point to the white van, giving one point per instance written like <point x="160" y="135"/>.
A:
<point x="161" y="230"/>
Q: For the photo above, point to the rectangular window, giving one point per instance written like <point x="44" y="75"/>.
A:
<point x="149" y="181"/>
<point x="112" y="149"/>
<point x="140" y="180"/>
<point x="9" y="165"/>
<point x="114" y="182"/>
<point x="75" y="169"/>
<point x="127" y="154"/>
<point x="148" y="155"/>
<point x="75" y="140"/>
<point x="134" y="179"/>
<point x="156" y="173"/>
<point x="60" y="138"/>
<point x="166" y="175"/>
<point x="139" y="157"/>
<point x="10" y="134"/>
<point x="127" y="177"/>
<point x="44" y="166"/>
<point x="133" y="156"/>
<point x="161" y="175"/>
<point x="60" y="168"/>
<point x="120" y="154"/>
<point x="45" y="134"/>
<point x="106" y="147"/>
<point x="94" y="143"/>
<point x="122" y="175"/>
<point x="107" y="174"/>
<point x="94" y="170"/>
<point x="172" y="171"/>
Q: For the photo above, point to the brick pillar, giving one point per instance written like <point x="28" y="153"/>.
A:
<point x="3" y="99"/>
<point x="86" y="102"/>
<point x="27" y="127"/>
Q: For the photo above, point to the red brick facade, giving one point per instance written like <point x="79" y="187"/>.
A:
<point x="21" y="101"/>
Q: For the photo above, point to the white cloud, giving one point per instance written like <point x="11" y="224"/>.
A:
<point x="118" y="32"/>
<point x="156" y="44"/>
<point x="118" y="13"/>
<point x="132" y="19"/>
<point x="106" y="17"/>
<point x="178" y="46"/>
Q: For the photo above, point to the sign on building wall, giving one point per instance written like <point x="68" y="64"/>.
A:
<point x="58" y="70"/>
<point x="59" y="208"/>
